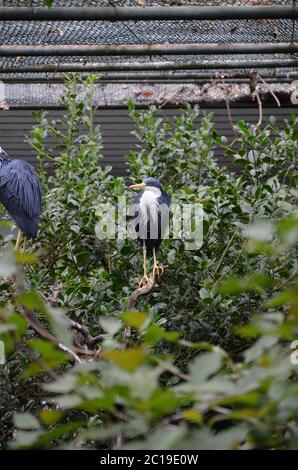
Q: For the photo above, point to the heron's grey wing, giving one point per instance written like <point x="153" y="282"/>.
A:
<point x="164" y="198"/>
<point x="4" y="154"/>
<point x="4" y="159"/>
<point x="20" y="193"/>
<point x="136" y="211"/>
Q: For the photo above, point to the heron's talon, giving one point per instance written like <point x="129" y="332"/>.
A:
<point x="158" y="270"/>
<point x="144" y="281"/>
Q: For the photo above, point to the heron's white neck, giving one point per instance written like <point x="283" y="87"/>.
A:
<point x="148" y="203"/>
<point x="152" y="190"/>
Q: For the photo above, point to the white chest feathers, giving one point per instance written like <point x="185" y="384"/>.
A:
<point x="149" y="205"/>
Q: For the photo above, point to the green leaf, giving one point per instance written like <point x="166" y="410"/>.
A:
<point x="60" y="326"/>
<point x="134" y="319"/>
<point x="25" y="439"/>
<point x="203" y="366"/>
<point x="110" y="324"/>
<point x="262" y="231"/>
<point x="283" y="298"/>
<point x="49" y="417"/>
<point x="155" y="333"/>
<point x="260" y="346"/>
<point x="234" y="285"/>
<point x="192" y="415"/>
<point x="26" y="421"/>
<point x="63" y="384"/>
<point x="128" y="359"/>
<point x="51" y="357"/>
<point x="32" y="301"/>
<point x="160" y="440"/>
<point x="163" y="402"/>
<point x="26" y="258"/>
<point x="7" y="265"/>
<point x="288" y="230"/>
<point x="243" y="127"/>
<point x="205" y="439"/>
<point x="59" y="323"/>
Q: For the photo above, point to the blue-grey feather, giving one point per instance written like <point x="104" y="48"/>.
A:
<point x="20" y="193"/>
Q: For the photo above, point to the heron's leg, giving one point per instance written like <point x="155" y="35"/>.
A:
<point x="145" y="278"/>
<point x="18" y="240"/>
<point x="158" y="270"/>
<point x="24" y="246"/>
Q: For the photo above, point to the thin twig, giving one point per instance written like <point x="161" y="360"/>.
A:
<point x="90" y="340"/>
<point x="224" y="254"/>
<point x="228" y="108"/>
<point x="270" y="90"/>
<point x="260" y="109"/>
<point x="230" y="268"/>
<point x="70" y="352"/>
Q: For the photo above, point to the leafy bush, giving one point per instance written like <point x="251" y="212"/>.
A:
<point x="208" y="362"/>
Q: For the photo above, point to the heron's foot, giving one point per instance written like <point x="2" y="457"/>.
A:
<point x="144" y="281"/>
<point x="158" y="270"/>
<point x="24" y="247"/>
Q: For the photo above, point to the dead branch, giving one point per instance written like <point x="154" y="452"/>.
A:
<point x="228" y="108"/>
<point x="269" y="88"/>
<point x="70" y="352"/>
<point x="257" y="95"/>
<point x="253" y="79"/>
<point x="89" y="340"/>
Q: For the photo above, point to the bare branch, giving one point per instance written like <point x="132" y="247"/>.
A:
<point x="270" y="90"/>
<point x="260" y="109"/>
<point x="70" y="352"/>
<point x="133" y="299"/>
<point x="228" y="108"/>
<point x="90" y="340"/>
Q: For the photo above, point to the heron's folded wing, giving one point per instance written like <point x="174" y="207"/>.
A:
<point x="20" y="189"/>
<point x="164" y="203"/>
<point x="136" y="209"/>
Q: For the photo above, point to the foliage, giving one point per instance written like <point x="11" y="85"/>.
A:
<point x="208" y="363"/>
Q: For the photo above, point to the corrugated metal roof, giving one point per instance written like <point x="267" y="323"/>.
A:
<point x="143" y="32"/>
<point x="138" y="32"/>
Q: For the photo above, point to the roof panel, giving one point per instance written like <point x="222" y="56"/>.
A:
<point x="144" y="32"/>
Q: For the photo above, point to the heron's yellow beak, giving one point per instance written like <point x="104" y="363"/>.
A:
<point x="138" y="186"/>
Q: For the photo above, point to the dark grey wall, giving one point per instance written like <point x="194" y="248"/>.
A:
<point x="116" y="128"/>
